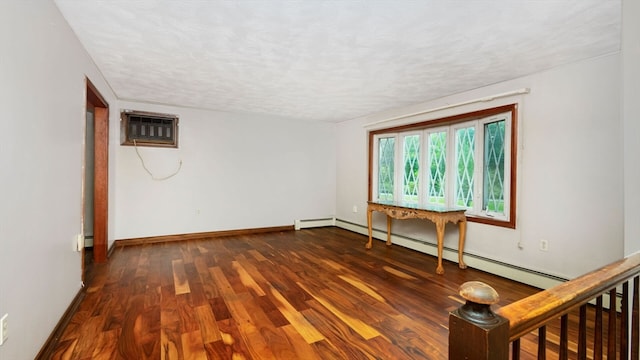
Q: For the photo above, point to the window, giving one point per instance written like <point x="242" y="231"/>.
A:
<point x="467" y="160"/>
<point x="148" y="129"/>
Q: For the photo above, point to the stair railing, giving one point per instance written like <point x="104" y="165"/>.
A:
<point x="477" y="332"/>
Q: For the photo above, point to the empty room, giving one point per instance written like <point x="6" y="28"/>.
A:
<point x="319" y="179"/>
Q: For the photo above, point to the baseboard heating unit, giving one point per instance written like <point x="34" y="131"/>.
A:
<point x="312" y="223"/>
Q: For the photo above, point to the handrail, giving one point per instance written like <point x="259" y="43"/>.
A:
<point x="478" y="333"/>
<point x="534" y="311"/>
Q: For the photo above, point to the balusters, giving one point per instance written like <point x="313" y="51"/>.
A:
<point x="582" y="333"/>
<point x="476" y="332"/>
<point x="542" y="343"/>
<point x="597" y="336"/>
<point x="611" y="343"/>
<point x="564" y="337"/>
<point x="635" y="325"/>
<point x="624" y="322"/>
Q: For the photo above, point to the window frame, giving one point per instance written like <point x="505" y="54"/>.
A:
<point x="510" y="181"/>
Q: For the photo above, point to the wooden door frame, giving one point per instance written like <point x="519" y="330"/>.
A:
<point x="101" y="172"/>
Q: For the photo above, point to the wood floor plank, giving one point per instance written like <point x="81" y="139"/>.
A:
<point x="186" y="314"/>
<point x="129" y="346"/>
<point x="398" y="273"/>
<point x="257" y="255"/>
<point x="277" y="341"/>
<point x="219" y="308"/>
<point x="192" y="346"/>
<point x="232" y="345"/>
<point x="308" y="294"/>
<point x="364" y="287"/>
<point x="170" y="344"/>
<point x="247" y="280"/>
<point x="208" y="286"/>
<point x="65" y="350"/>
<point x="359" y="326"/>
<point x="208" y="325"/>
<point x="341" y="341"/>
<point x="271" y="311"/>
<point x="86" y="341"/>
<point x="247" y="329"/>
<point x="180" y="281"/>
<point x="105" y="345"/>
<point x="196" y="294"/>
<point x="300" y="347"/>
<point x="297" y="320"/>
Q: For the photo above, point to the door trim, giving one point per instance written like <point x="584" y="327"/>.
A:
<point x="101" y="172"/>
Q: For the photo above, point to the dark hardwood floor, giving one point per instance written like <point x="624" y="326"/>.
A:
<point x="309" y="294"/>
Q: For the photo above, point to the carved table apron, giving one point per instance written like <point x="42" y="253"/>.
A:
<point x="438" y="215"/>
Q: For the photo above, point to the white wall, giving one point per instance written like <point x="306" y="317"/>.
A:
<point x="238" y="171"/>
<point x="42" y="97"/>
<point x="631" y="122"/>
<point x="569" y="171"/>
<point x="275" y="172"/>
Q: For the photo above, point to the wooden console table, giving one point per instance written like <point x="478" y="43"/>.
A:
<point x="439" y="215"/>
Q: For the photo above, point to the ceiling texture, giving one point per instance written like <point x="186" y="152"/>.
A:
<point x="330" y="60"/>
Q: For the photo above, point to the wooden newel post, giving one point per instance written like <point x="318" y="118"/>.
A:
<point x="475" y="332"/>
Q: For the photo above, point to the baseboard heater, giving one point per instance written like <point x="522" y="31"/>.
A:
<point x="527" y="276"/>
<point x="312" y="223"/>
<point x="523" y="275"/>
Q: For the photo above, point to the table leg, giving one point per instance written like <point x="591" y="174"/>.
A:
<point x="462" y="229"/>
<point x="440" y="236"/>
<point x="369" y="225"/>
<point x="388" y="230"/>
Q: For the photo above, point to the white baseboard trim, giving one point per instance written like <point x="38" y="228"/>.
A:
<point x="311" y="223"/>
<point x="526" y="276"/>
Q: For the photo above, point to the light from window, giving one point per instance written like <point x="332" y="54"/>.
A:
<point x="386" y="168"/>
<point x="493" y="194"/>
<point x="465" y="151"/>
<point x="462" y="161"/>
<point x="437" y="163"/>
<point x="411" y="163"/>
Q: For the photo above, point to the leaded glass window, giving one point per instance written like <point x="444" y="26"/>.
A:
<point x="386" y="154"/>
<point x="437" y="166"/>
<point x="411" y="160"/>
<point x="465" y="152"/>
<point x="493" y="194"/>
<point x="462" y="161"/>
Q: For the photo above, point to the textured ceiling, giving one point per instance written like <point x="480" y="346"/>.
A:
<point x="330" y="60"/>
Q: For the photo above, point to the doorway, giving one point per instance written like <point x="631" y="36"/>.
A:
<point x="96" y="177"/>
<point x="89" y="144"/>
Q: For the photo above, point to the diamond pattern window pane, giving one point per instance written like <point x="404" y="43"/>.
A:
<point x="493" y="194"/>
<point x="411" y="160"/>
<point x="465" y="144"/>
<point x="386" y="153"/>
<point x="437" y="167"/>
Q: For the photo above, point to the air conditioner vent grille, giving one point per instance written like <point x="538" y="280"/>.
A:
<point x="149" y="129"/>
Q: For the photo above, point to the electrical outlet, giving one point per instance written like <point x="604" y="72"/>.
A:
<point x="4" y="328"/>
<point x="544" y="245"/>
<point x="355" y="208"/>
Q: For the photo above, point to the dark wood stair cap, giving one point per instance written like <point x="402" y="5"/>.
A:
<point x="479" y="293"/>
